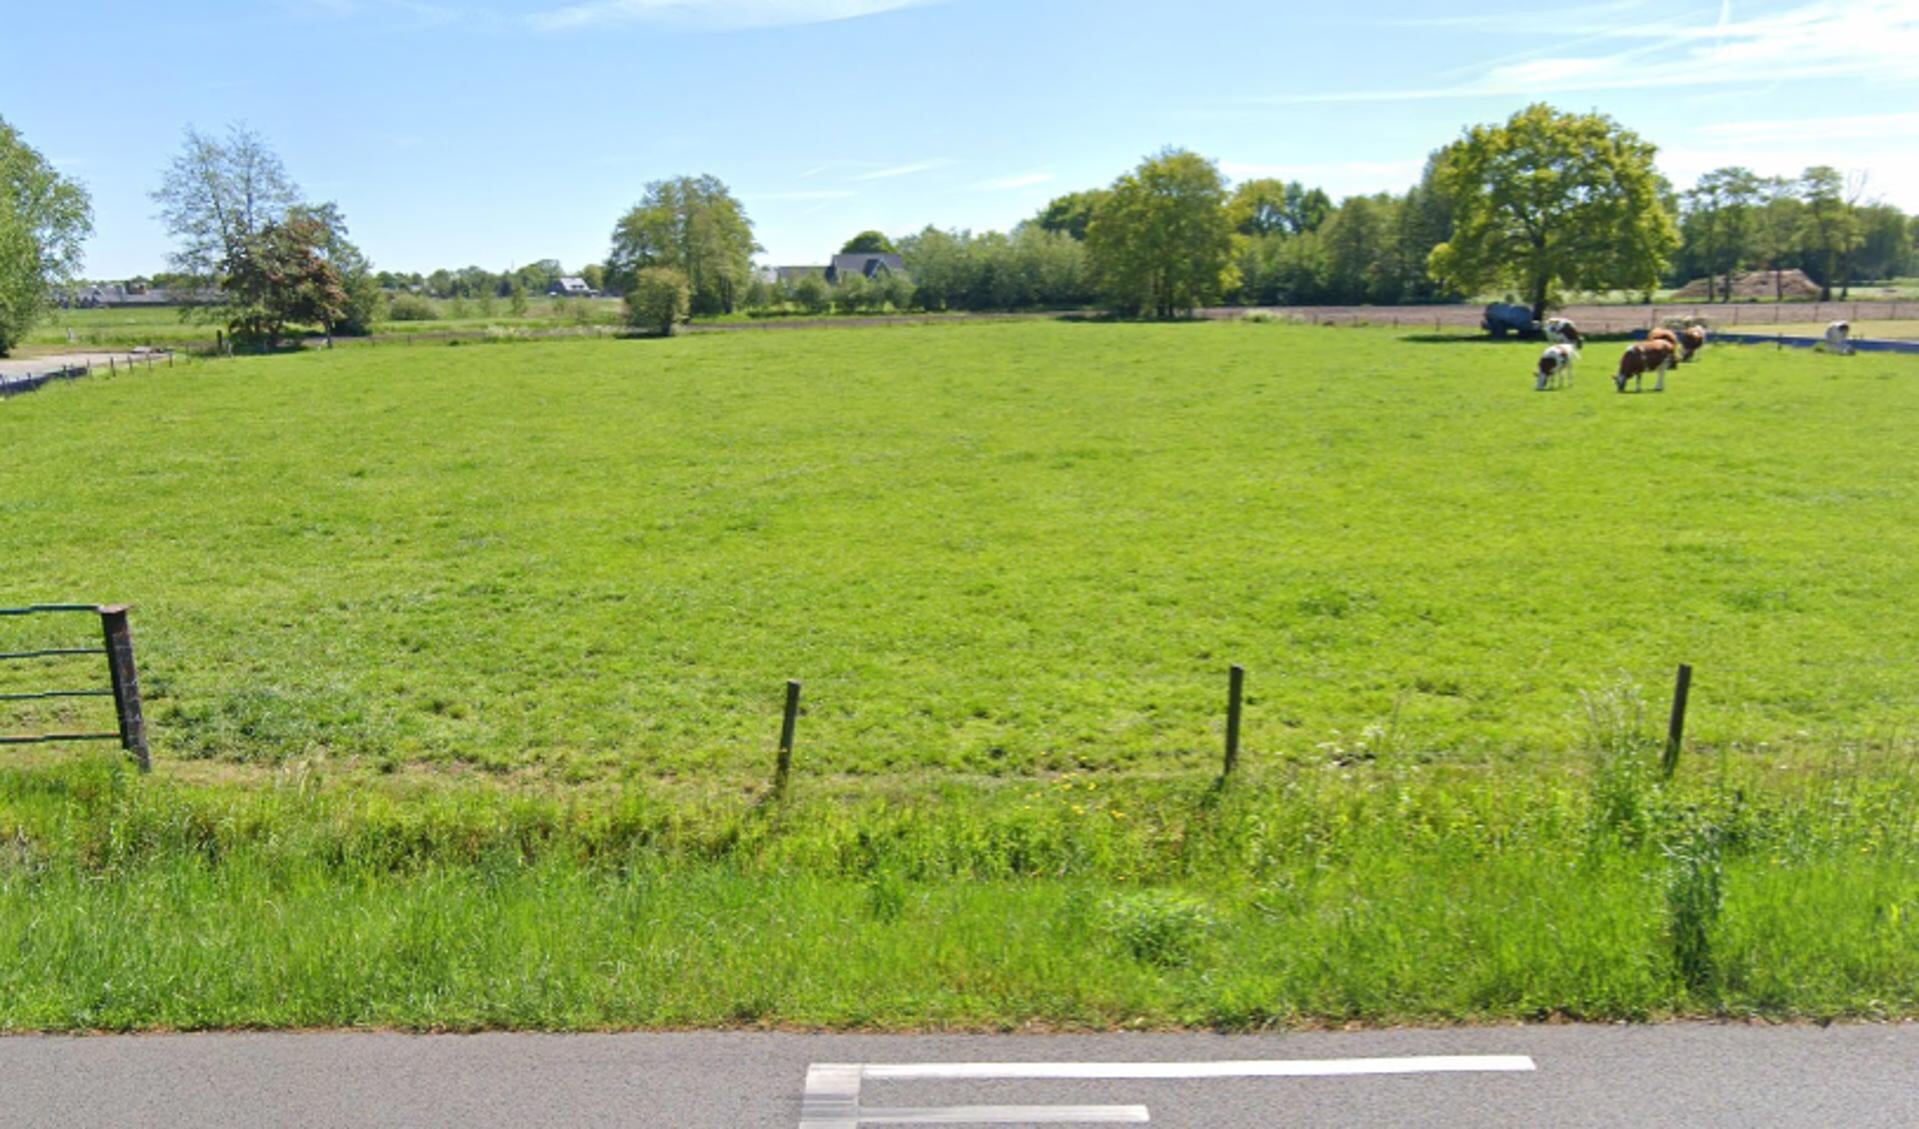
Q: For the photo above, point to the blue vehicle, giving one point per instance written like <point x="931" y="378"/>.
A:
<point x="1502" y="318"/>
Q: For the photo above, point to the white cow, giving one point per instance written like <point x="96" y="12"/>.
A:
<point x="1555" y="368"/>
<point x="1561" y="331"/>
<point x="1839" y="338"/>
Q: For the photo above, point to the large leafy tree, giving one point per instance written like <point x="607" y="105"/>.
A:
<point x="217" y="194"/>
<point x="1718" y="222"/>
<point x="694" y="225"/>
<point x="1829" y="229"/>
<point x="44" y="217"/>
<point x="868" y="243"/>
<point x="1160" y="243"/>
<point x="282" y="274"/>
<point x="1072" y="213"/>
<point x="243" y="228"/>
<point x="1551" y="200"/>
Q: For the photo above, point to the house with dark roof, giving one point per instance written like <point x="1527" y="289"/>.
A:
<point x="570" y="287"/>
<point x="869" y="265"/>
<point x="786" y="276"/>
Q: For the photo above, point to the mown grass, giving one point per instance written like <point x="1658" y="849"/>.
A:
<point x="990" y="549"/>
<point x="1011" y="563"/>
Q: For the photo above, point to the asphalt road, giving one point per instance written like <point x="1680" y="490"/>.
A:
<point x="1694" y="1075"/>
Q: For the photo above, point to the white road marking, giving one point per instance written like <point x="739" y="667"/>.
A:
<point x="1009" y="1115"/>
<point x="1281" y="1068"/>
<point x="832" y="1099"/>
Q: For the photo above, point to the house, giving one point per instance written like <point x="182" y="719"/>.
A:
<point x="571" y="287"/>
<point x="787" y="276"/>
<point x="869" y="265"/>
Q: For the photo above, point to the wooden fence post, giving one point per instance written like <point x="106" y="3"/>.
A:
<point x="784" y="769"/>
<point x="126" y="683"/>
<point x="1235" y="690"/>
<point x="1676" y="728"/>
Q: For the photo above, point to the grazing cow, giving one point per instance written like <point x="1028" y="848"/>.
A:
<point x="1691" y="340"/>
<point x="1654" y="355"/>
<point x="1839" y="338"/>
<point x="1561" y="331"/>
<point x="1555" y="368"/>
<point x="1663" y="334"/>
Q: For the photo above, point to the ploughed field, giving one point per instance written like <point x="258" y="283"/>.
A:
<point x="468" y="662"/>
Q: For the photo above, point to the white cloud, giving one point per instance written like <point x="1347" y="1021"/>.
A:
<point x="913" y="169"/>
<point x="713" y="15"/>
<point x="1859" y="40"/>
<point x="1856" y="127"/>
<point x="1011" y="183"/>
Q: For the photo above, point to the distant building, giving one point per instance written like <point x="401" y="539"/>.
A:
<point x="868" y="265"/>
<point x="105" y="295"/>
<point x="570" y="287"/>
<point x="787" y="276"/>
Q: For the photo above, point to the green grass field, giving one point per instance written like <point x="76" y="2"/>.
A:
<point x="447" y="645"/>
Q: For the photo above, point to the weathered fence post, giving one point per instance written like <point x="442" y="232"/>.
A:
<point x="1235" y="690"/>
<point x="126" y="683"/>
<point x="1676" y="728"/>
<point x="784" y="769"/>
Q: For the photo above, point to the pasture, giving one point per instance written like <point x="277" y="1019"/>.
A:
<point x="460" y="641"/>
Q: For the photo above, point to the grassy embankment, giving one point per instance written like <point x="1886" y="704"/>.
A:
<point x="464" y="670"/>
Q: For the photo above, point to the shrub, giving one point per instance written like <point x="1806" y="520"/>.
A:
<point x="658" y="301"/>
<point x="410" y="307"/>
<point x="811" y="293"/>
<point x="851" y="295"/>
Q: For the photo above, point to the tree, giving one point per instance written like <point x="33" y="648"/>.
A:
<point x="812" y="293"/>
<point x="44" y="217"/>
<point x="594" y="275"/>
<point x="217" y="194"/>
<point x="279" y="275"/>
<point x="232" y="207"/>
<point x="1775" y="227"/>
<point x="694" y="225"/>
<point x="1071" y="213"/>
<point x="1718" y="221"/>
<point x="868" y="243"/>
<point x="1551" y="200"/>
<point x="1828" y="229"/>
<point x="1160" y="243"/>
<point x="659" y="300"/>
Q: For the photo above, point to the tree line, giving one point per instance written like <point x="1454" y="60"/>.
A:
<point x="1542" y="206"/>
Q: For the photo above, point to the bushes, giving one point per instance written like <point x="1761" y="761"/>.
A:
<point x="658" y="301"/>
<point x="410" y="307"/>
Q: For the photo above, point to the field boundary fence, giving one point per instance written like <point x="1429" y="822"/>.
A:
<point x="18" y="384"/>
<point x="123" y="683"/>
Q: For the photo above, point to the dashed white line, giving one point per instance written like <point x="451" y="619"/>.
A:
<point x="1278" y="1068"/>
<point x="832" y="1099"/>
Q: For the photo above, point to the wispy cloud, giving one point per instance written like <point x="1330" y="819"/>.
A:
<point x="1861" y="40"/>
<point x="1856" y="127"/>
<point x="1012" y="183"/>
<point x="913" y="169"/>
<point x="824" y="194"/>
<point x="713" y="15"/>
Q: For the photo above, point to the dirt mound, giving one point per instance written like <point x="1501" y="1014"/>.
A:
<point x="1755" y="285"/>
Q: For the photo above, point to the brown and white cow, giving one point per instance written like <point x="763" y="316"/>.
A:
<point x="1561" y="331"/>
<point x="1691" y="340"/>
<point x="1653" y="355"/>
<point x="1664" y="334"/>
<point x="1555" y="368"/>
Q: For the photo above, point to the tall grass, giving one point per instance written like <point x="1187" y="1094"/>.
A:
<point x="1388" y="892"/>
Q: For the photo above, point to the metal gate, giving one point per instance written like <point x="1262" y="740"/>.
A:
<point x="123" y="684"/>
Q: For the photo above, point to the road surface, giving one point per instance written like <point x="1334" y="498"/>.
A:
<point x="1694" y="1075"/>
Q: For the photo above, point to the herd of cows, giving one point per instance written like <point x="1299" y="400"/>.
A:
<point x="1662" y="349"/>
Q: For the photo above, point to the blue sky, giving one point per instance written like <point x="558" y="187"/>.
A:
<point x="491" y="132"/>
